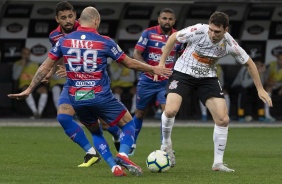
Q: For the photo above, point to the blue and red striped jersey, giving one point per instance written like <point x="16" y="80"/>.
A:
<point x="85" y="54"/>
<point x="57" y="33"/>
<point x="151" y="42"/>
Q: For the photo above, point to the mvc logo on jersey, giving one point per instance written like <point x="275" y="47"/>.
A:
<point x="173" y="84"/>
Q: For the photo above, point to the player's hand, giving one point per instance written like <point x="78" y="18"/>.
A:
<point x="156" y="76"/>
<point x="62" y="71"/>
<point x="20" y="96"/>
<point x="263" y="95"/>
<point x="162" y="71"/>
<point x="45" y="80"/>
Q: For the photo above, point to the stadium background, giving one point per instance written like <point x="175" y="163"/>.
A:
<point x="256" y="25"/>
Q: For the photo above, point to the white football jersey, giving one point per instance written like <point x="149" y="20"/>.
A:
<point x="201" y="55"/>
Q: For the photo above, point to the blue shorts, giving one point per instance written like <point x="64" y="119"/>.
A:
<point x="148" y="93"/>
<point x="110" y="110"/>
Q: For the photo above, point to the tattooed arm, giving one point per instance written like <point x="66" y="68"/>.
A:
<point x="42" y="71"/>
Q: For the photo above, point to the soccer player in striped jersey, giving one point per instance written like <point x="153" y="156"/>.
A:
<point x="148" y="50"/>
<point x="196" y="69"/>
<point x="85" y="54"/>
<point x="66" y="18"/>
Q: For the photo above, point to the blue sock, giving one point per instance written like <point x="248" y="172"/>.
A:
<point x="126" y="139"/>
<point x="102" y="146"/>
<point x="114" y="131"/>
<point x="138" y="127"/>
<point x="74" y="131"/>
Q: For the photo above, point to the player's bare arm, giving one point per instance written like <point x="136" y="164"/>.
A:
<point x="61" y="71"/>
<point x="52" y="72"/>
<point x="252" y="69"/>
<point x="166" y="51"/>
<point x="137" y="65"/>
<point x="137" y="54"/>
<point x="38" y="77"/>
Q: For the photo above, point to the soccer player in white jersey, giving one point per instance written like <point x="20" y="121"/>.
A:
<point x="195" y="69"/>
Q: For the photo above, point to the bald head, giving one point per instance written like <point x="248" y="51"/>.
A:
<point x="88" y="14"/>
<point x="90" y="17"/>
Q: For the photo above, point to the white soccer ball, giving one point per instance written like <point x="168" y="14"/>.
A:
<point x="158" y="161"/>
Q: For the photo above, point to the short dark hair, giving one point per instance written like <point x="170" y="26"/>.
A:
<point x="169" y="10"/>
<point x="62" y="6"/>
<point x="219" y="18"/>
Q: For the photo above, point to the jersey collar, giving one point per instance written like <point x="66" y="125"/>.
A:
<point x="87" y="29"/>
<point x="159" y="30"/>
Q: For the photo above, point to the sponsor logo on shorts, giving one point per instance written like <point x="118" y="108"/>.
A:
<point x="173" y="84"/>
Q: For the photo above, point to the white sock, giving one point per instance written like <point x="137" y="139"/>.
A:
<point x="117" y="96"/>
<point x="133" y="105"/>
<point x="220" y="140"/>
<point x="56" y="91"/>
<point x="31" y="103"/>
<point x="203" y="109"/>
<point x="42" y="102"/>
<point x="91" y="151"/>
<point x="167" y="124"/>
<point x="227" y="99"/>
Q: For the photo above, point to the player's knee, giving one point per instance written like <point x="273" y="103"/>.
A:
<point x="222" y="121"/>
<point x="170" y="113"/>
<point x="65" y="109"/>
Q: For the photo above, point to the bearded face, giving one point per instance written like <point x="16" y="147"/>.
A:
<point x="66" y="19"/>
<point x="166" y="21"/>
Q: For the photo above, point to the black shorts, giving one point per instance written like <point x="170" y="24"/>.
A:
<point x="205" y="88"/>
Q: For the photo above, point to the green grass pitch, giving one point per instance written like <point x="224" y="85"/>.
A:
<point x="46" y="155"/>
